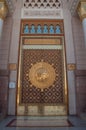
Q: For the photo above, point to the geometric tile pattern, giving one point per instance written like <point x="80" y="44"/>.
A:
<point x="54" y="93"/>
<point x="42" y="4"/>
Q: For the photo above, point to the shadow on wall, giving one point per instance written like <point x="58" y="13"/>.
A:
<point x="4" y="78"/>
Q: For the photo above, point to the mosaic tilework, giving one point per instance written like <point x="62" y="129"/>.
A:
<point x="42" y="29"/>
<point x="31" y="94"/>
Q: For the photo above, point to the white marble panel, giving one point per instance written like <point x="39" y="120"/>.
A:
<point x="12" y="101"/>
<point x="84" y="29"/>
<point x="1" y="26"/>
<point x="71" y="93"/>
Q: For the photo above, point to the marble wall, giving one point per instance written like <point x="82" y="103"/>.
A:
<point x="9" y="46"/>
<point x="80" y="73"/>
<point x="13" y="59"/>
<point x="81" y="91"/>
<point x="5" y="43"/>
<point x="4" y="79"/>
<point x="70" y="59"/>
<point x="80" y="49"/>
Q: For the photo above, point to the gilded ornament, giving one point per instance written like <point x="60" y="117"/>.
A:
<point x="3" y="9"/>
<point x="82" y="9"/>
<point x="42" y="75"/>
<point x="71" y="67"/>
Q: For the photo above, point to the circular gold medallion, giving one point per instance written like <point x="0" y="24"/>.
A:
<point x="42" y="75"/>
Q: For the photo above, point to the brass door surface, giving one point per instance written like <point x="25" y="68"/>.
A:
<point x="42" y="88"/>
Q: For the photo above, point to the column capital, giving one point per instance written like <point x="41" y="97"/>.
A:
<point x="3" y="9"/>
<point x="82" y="9"/>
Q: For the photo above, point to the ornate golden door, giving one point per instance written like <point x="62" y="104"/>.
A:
<point x="42" y="88"/>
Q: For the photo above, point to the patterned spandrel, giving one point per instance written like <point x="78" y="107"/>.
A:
<point x="45" y="30"/>
<point x="33" y="31"/>
<point x="26" y="29"/>
<point x="51" y="29"/>
<point x="58" y="30"/>
<point x="39" y="29"/>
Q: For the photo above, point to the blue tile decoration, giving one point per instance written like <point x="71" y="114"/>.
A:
<point x="33" y="31"/>
<point x="39" y="29"/>
<point x="58" y="30"/>
<point x="42" y="29"/>
<point x="51" y="29"/>
<point x="26" y="29"/>
<point x="45" y="30"/>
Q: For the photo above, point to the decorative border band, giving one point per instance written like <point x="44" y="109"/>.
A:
<point x="12" y="66"/>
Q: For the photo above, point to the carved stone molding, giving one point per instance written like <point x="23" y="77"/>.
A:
<point x="11" y="5"/>
<point x="44" y="13"/>
<point x="42" y="9"/>
<point x="73" y="5"/>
